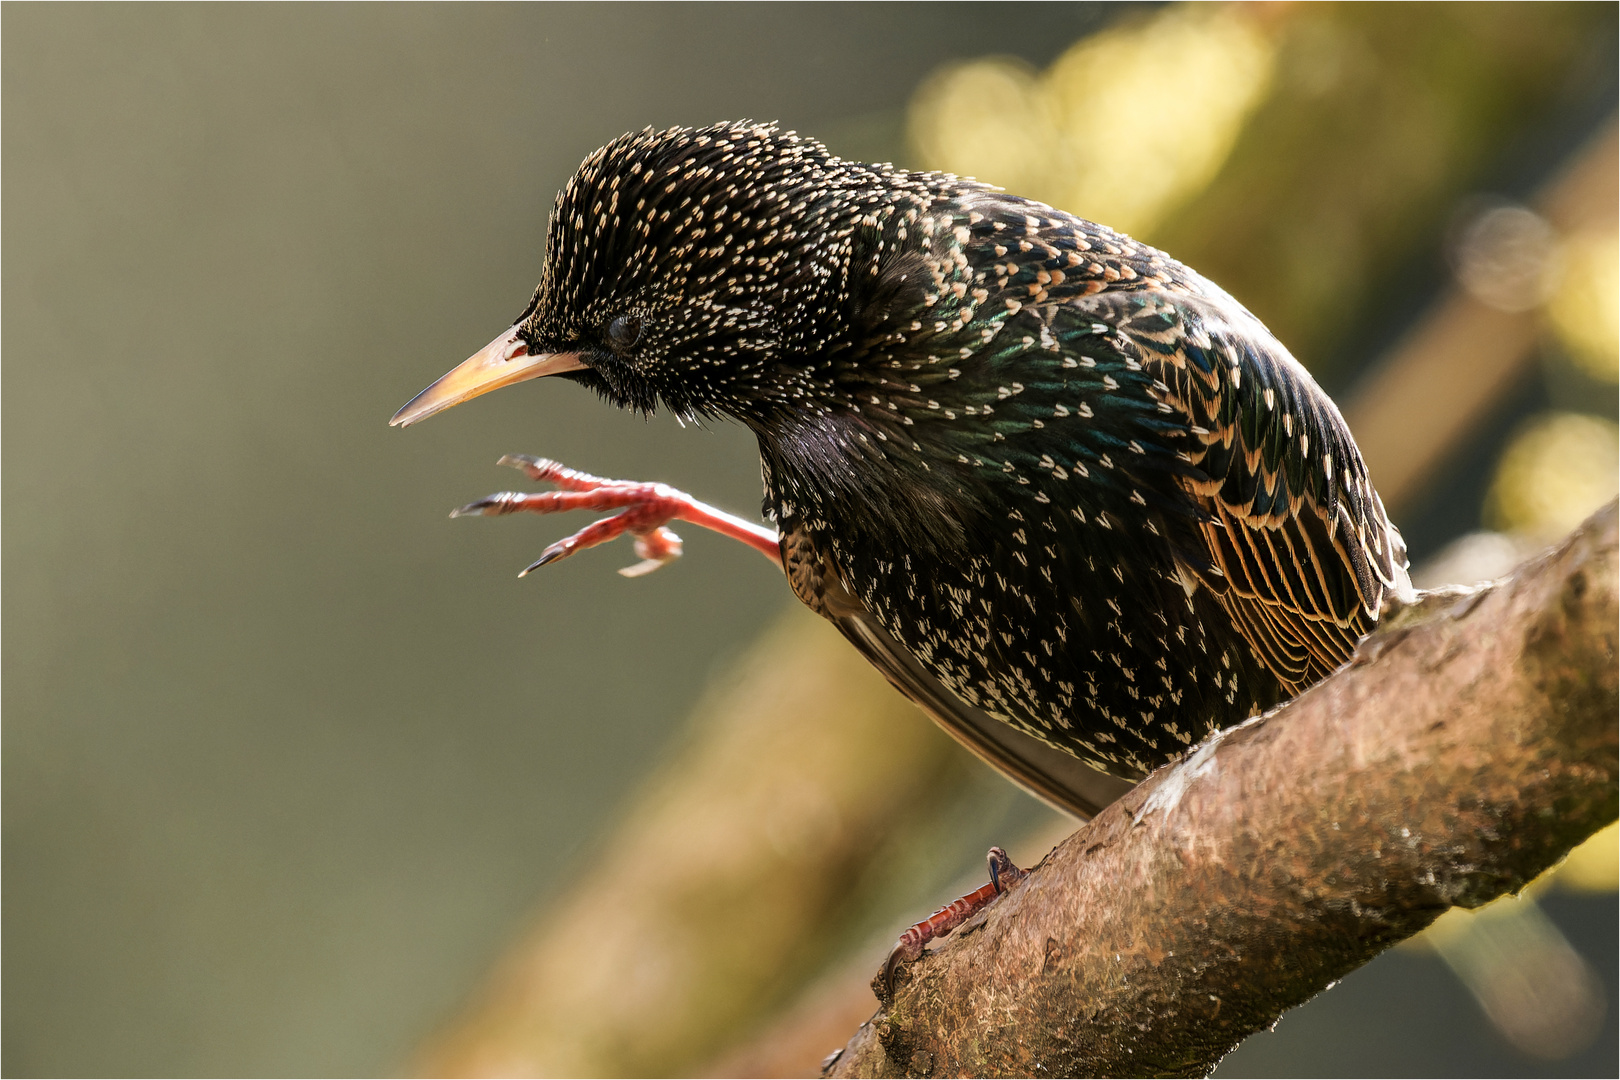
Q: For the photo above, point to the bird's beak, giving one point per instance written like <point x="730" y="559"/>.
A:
<point x="502" y="362"/>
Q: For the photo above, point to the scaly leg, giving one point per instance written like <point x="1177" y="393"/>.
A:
<point x="1004" y="874"/>
<point x="645" y="510"/>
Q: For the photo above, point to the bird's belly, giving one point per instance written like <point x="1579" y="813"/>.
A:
<point x="1123" y="674"/>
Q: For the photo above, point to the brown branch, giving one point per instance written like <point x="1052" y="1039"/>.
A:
<point x="1466" y="748"/>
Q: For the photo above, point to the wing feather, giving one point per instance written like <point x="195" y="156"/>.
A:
<point x="1294" y="539"/>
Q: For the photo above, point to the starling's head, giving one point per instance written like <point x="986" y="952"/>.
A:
<point x="708" y="270"/>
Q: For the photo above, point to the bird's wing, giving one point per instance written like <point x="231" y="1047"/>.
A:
<point x="1290" y="533"/>
<point x="1054" y="776"/>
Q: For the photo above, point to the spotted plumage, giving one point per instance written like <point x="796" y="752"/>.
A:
<point x="1054" y="483"/>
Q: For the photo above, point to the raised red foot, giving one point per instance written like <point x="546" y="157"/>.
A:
<point x="1004" y="874"/>
<point x="645" y="510"/>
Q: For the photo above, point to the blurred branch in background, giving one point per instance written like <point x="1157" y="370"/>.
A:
<point x="1299" y="155"/>
<point x="1438" y="383"/>
<point x="805" y="788"/>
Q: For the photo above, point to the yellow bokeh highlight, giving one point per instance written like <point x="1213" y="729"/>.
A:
<point x="1556" y="471"/>
<point x="984" y="118"/>
<point x="1584" y="308"/>
<point x="1120" y="129"/>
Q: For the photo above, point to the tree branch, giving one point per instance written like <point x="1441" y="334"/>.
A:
<point x="1468" y="745"/>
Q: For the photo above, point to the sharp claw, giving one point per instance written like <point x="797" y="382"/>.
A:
<point x="550" y="555"/>
<point x="483" y="507"/>
<point x="526" y="462"/>
<point x="645" y="566"/>
<point x="884" y="983"/>
<point x="1004" y="873"/>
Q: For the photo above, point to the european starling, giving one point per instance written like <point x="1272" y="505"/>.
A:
<point x="1068" y="495"/>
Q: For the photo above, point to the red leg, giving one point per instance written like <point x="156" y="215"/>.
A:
<point x="645" y="510"/>
<point x="1004" y="874"/>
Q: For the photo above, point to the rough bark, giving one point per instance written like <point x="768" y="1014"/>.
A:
<point x="1466" y="748"/>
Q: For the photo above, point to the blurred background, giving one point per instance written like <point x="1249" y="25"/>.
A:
<point x="298" y="779"/>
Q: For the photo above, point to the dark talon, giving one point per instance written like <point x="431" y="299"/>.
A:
<point x="536" y="468"/>
<point x="891" y="967"/>
<point x="488" y="506"/>
<point x="550" y="555"/>
<point x="1004" y="873"/>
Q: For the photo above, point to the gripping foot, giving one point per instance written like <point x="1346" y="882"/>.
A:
<point x="644" y="512"/>
<point x="1004" y="874"/>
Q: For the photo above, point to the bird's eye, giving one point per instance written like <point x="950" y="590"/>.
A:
<point x="623" y="332"/>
